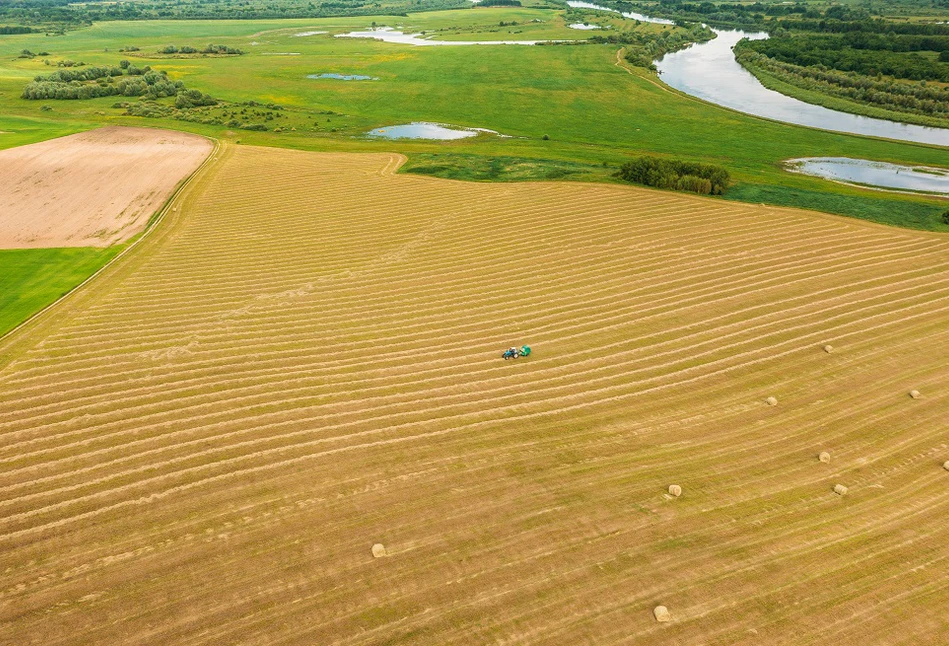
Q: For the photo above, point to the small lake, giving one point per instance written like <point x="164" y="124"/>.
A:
<point x="388" y="35"/>
<point x="577" y="4"/>
<point x="872" y="173"/>
<point x="343" y="77"/>
<point x="426" y="130"/>
<point x="710" y="72"/>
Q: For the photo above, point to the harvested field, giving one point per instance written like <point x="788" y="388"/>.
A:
<point x="304" y="362"/>
<point x="92" y="189"/>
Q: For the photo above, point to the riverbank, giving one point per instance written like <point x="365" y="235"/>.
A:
<point x="769" y="79"/>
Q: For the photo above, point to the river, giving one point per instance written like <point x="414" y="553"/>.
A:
<point x="710" y="72"/>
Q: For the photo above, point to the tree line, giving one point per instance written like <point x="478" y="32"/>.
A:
<point x="210" y="49"/>
<point x="644" y="47"/>
<point x="913" y="98"/>
<point x="675" y="174"/>
<point x="891" y="55"/>
<point x="124" y="79"/>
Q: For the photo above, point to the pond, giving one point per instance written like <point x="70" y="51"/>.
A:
<point x="710" y="72"/>
<point x="389" y="35"/>
<point x="426" y="130"/>
<point x="577" y="4"/>
<point x="873" y="173"/>
<point x="343" y="77"/>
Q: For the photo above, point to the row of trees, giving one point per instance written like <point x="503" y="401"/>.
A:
<point x="892" y="55"/>
<point x="913" y="98"/>
<point x="53" y="15"/>
<point x="210" y="49"/>
<point x="705" y="179"/>
<point x="110" y="80"/>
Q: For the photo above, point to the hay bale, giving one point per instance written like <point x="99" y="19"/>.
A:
<point x="839" y="489"/>
<point x="662" y="614"/>
<point x="675" y="490"/>
<point x="772" y="401"/>
<point x="378" y="550"/>
<point x="828" y="349"/>
<point x="824" y="457"/>
<point x="914" y="394"/>
<point x="946" y="465"/>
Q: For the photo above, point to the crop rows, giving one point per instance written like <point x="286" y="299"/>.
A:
<point x="305" y="361"/>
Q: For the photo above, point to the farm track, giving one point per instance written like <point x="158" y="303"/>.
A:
<point x="304" y="360"/>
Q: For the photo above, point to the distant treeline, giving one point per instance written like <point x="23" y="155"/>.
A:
<point x="868" y="54"/>
<point x="499" y="3"/>
<point x="15" y="30"/>
<point x="110" y="80"/>
<point x="705" y="179"/>
<point x="53" y="15"/>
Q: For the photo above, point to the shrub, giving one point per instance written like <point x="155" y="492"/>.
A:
<point x="945" y="217"/>
<point x="705" y="179"/>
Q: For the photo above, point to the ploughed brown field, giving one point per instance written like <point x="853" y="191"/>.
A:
<point x="203" y="445"/>
<point x="92" y="189"/>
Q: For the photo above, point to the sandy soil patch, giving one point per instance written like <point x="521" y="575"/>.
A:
<point x="91" y="189"/>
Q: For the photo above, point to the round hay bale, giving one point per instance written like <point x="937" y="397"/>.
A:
<point x="824" y="457"/>
<point x="378" y="550"/>
<point x="839" y="489"/>
<point x="914" y="394"/>
<point x="946" y="465"/>
<point x="662" y="614"/>
<point x="771" y="401"/>
<point x="828" y="349"/>
<point x="675" y="490"/>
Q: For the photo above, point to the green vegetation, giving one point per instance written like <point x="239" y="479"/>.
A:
<point x="477" y="168"/>
<point x="885" y="71"/>
<point x="60" y="15"/>
<point x="644" y="47"/>
<point x="31" y="279"/>
<point x="850" y="92"/>
<point x="675" y="174"/>
<point x="94" y="82"/>
<point x="210" y="50"/>
<point x="902" y="211"/>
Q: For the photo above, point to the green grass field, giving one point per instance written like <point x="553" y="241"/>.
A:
<point x="31" y="279"/>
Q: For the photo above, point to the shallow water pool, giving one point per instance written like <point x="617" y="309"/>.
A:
<point x="343" y="77"/>
<point x="426" y="130"/>
<point x="873" y="173"/>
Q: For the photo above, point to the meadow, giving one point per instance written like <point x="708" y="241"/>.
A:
<point x="304" y="362"/>
<point x="31" y="279"/>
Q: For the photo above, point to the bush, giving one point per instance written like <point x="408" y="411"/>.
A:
<point x="945" y="217"/>
<point x="705" y="179"/>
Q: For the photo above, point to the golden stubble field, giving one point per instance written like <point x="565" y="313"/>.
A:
<point x="303" y="360"/>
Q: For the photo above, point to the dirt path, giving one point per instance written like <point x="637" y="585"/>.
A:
<point x="92" y="189"/>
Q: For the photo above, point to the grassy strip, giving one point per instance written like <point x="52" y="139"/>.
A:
<point x="31" y="279"/>
<point x="908" y="213"/>
<point x="837" y="103"/>
<point x="476" y="168"/>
